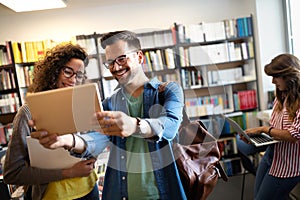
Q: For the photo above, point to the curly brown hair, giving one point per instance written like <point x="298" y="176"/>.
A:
<point x="47" y="70"/>
<point x="287" y="67"/>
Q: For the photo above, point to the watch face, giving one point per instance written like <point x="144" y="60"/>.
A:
<point x="143" y="127"/>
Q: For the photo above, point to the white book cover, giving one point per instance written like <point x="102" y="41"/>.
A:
<point x="214" y="31"/>
<point x="194" y="32"/>
<point x="47" y="158"/>
<point x="199" y="55"/>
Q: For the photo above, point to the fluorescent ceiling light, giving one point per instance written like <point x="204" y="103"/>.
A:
<point x="31" y="5"/>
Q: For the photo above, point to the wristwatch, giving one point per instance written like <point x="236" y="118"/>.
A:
<point x="141" y="126"/>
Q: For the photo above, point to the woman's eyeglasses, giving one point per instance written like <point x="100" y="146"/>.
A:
<point x="120" y="60"/>
<point x="69" y="73"/>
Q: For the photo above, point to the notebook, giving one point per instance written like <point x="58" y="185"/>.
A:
<point x="257" y="140"/>
<point x="49" y="158"/>
<point x="65" y="110"/>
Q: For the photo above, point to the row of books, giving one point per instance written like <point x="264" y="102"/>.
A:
<point x="194" y="78"/>
<point x="244" y="26"/>
<point x="5" y="133"/>
<point x="25" y="75"/>
<point x="245" y="100"/>
<point x="213" y="31"/>
<point x="207" y="105"/>
<point x="154" y="39"/>
<point x="110" y="85"/>
<point x="32" y="51"/>
<point x="227" y="146"/>
<point x="225" y="76"/>
<point x="201" y="32"/>
<point x="7" y="80"/>
<point x="197" y="77"/>
<point x="156" y="60"/>
<point x="9" y="103"/>
<point x="239" y="27"/>
<point x="215" y="53"/>
<point x="240" y="51"/>
<point x="4" y="55"/>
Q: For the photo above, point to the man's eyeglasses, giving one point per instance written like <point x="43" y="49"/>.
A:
<point x="69" y="73"/>
<point x="120" y="60"/>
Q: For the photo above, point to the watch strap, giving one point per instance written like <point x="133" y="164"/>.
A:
<point x="138" y="126"/>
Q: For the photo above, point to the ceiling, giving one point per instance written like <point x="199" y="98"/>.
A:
<point x="74" y="4"/>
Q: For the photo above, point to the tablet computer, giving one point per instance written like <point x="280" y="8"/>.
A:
<point x="65" y="110"/>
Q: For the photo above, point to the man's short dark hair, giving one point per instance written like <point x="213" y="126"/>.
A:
<point x="127" y="36"/>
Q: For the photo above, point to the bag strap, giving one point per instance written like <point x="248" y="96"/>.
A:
<point x="161" y="89"/>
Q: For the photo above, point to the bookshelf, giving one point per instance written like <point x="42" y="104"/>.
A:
<point x="159" y="55"/>
<point x="218" y="73"/>
<point x="214" y="62"/>
<point x="10" y="98"/>
<point x="218" y="70"/>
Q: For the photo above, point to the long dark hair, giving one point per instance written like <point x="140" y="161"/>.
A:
<point x="287" y="67"/>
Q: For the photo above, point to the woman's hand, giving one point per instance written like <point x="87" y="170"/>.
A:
<point x="256" y="130"/>
<point x="80" y="169"/>
<point x="51" y="141"/>
<point x="252" y="131"/>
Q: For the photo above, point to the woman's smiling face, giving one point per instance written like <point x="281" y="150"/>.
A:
<point x="75" y="65"/>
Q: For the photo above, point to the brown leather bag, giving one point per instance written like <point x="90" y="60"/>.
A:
<point x="197" y="157"/>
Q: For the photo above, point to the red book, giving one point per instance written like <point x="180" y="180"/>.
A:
<point x="2" y="135"/>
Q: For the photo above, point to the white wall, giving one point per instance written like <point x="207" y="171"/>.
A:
<point x="132" y="14"/>
<point x="271" y="40"/>
<point x="138" y="15"/>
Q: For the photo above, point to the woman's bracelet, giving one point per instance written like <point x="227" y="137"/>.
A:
<point x="269" y="131"/>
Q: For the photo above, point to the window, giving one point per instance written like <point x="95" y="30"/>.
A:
<point x="293" y="26"/>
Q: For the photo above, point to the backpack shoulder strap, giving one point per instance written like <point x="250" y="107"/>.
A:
<point x="161" y="89"/>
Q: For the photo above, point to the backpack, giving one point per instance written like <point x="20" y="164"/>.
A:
<point x="197" y="156"/>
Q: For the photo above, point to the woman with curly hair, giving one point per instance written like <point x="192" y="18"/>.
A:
<point x="279" y="170"/>
<point x="62" y="66"/>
